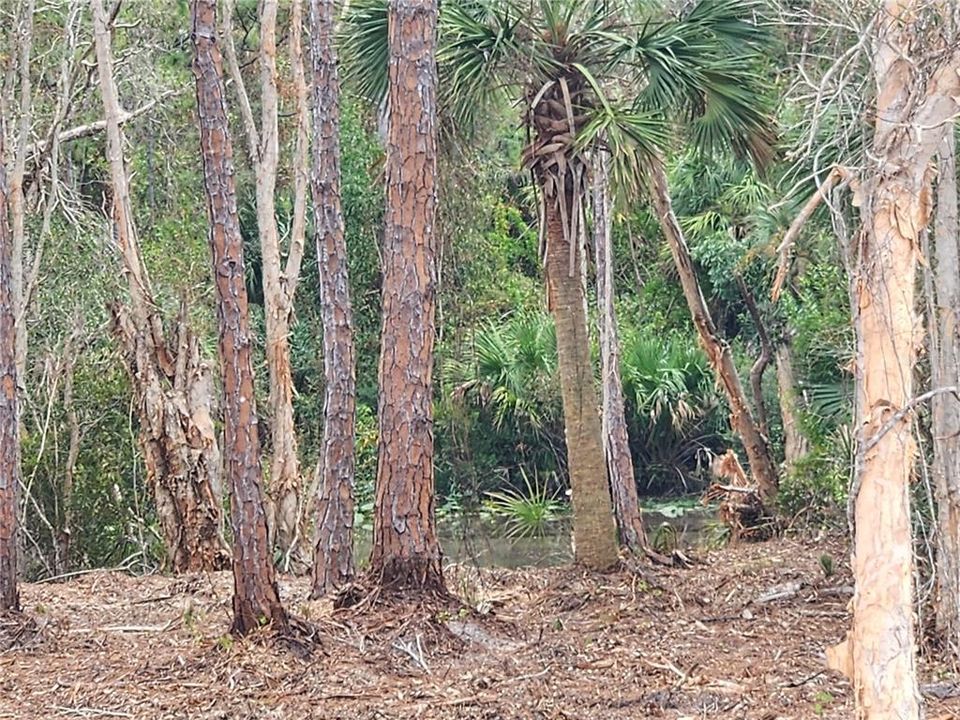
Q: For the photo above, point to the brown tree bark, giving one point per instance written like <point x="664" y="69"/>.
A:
<point x="760" y="365"/>
<point x="279" y="281"/>
<point x="623" y="484"/>
<point x="9" y="423"/>
<point x="718" y="352"/>
<point x="945" y="372"/>
<point x="594" y="529"/>
<point x="406" y="550"/>
<point x="333" y="564"/>
<point x="916" y="99"/>
<point x="256" y="599"/>
<point x="171" y="381"/>
<point x="795" y="444"/>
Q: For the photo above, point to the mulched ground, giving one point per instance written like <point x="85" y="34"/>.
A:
<point x="739" y="636"/>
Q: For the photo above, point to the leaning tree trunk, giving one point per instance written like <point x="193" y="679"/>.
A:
<point x="333" y="554"/>
<point x="256" y="599"/>
<point x="623" y="484"/>
<point x="9" y="432"/>
<point x="406" y="550"/>
<point x="718" y="352"/>
<point x="916" y="99"/>
<point x="171" y="381"/>
<point x="945" y="372"/>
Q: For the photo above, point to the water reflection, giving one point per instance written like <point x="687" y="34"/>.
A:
<point x="477" y="541"/>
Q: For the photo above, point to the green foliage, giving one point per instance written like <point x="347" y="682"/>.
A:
<point x="673" y="411"/>
<point x="528" y="512"/>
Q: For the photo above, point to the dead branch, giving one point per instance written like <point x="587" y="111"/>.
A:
<point x="835" y="176"/>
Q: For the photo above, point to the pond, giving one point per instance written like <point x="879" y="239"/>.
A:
<point x="476" y="541"/>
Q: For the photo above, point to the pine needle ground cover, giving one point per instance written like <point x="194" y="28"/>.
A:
<point x="739" y="636"/>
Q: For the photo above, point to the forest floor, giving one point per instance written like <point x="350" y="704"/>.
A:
<point x="739" y="636"/>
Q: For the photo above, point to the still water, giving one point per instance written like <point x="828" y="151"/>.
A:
<point x="474" y="541"/>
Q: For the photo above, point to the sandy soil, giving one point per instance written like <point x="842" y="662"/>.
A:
<point x="739" y="636"/>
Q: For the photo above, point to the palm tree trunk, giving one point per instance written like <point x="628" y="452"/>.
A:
<point x="623" y="484"/>
<point x="333" y="565"/>
<point x="170" y="379"/>
<point x="594" y="529"/>
<point x="718" y="351"/>
<point x="406" y="551"/>
<point x="256" y="598"/>
<point x="945" y="372"/>
<point x="9" y="430"/>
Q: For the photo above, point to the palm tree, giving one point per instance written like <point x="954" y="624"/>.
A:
<point x="590" y="77"/>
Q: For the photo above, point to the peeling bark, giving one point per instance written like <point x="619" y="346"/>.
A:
<point x="945" y="372"/>
<point x="333" y="565"/>
<point x="9" y="430"/>
<point x="718" y="352"/>
<point x="256" y="599"/>
<point x="916" y="99"/>
<point x="406" y="551"/>
<point x="623" y="484"/>
<point x="170" y="379"/>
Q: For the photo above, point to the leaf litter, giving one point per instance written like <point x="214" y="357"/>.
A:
<point x="739" y="635"/>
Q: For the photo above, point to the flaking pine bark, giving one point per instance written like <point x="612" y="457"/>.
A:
<point x="406" y="550"/>
<point x="333" y="564"/>
<point x="256" y="600"/>
<point x="280" y="279"/>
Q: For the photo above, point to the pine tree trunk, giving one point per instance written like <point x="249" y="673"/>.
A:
<point x="594" y="529"/>
<point x="256" y="599"/>
<point x="333" y="565"/>
<point x="285" y="464"/>
<point x="406" y="551"/>
<point x="623" y="484"/>
<point x="945" y="372"/>
<point x="9" y="430"/>
<point x="171" y="381"/>
<point x="718" y="352"/>
<point x="914" y="108"/>
<point x="795" y="444"/>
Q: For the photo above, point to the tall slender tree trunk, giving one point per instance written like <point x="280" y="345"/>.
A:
<point x="795" y="444"/>
<point x="762" y="467"/>
<point x="9" y="424"/>
<point x="406" y="551"/>
<point x="16" y="197"/>
<point x="916" y="98"/>
<point x="171" y="381"/>
<point x="278" y="306"/>
<point x="279" y="280"/>
<point x="333" y="565"/>
<point x="256" y="599"/>
<point x="623" y="484"/>
<point x="945" y="372"/>
<point x="594" y="529"/>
